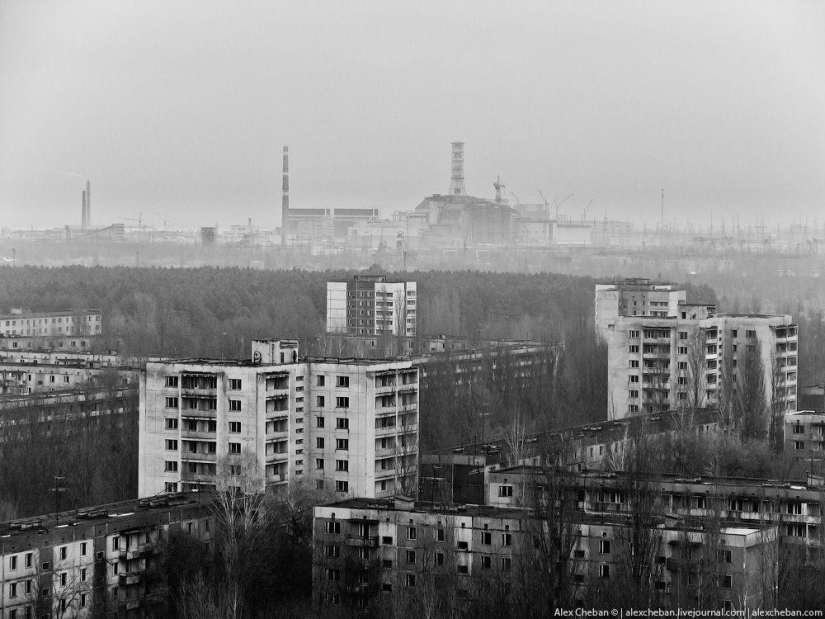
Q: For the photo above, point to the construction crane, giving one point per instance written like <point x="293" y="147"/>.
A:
<point x="559" y="201"/>
<point x="546" y="205"/>
<point x="499" y="186"/>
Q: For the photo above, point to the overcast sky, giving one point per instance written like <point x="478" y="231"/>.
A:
<point x="179" y="108"/>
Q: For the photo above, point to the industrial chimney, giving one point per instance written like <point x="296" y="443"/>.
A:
<point x="457" y="181"/>
<point x="83" y="223"/>
<point x="285" y="198"/>
<point x="88" y="204"/>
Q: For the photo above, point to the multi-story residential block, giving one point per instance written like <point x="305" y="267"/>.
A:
<point x="385" y="553"/>
<point x="350" y="426"/>
<point x="634" y="297"/>
<point x="805" y="438"/>
<point x="370" y="305"/>
<point x="794" y="507"/>
<point x="60" y="324"/>
<point x="22" y="376"/>
<point x="98" y="562"/>
<point x="656" y="364"/>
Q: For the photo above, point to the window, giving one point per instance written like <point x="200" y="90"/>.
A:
<point x="234" y="427"/>
<point x="29" y="559"/>
<point x="505" y="491"/>
<point x="12" y="563"/>
<point x="633" y="408"/>
<point x="333" y="574"/>
<point x="727" y="581"/>
<point x="486" y="538"/>
<point x="234" y="405"/>
<point x="234" y="448"/>
<point x="83" y="575"/>
<point x="342" y="402"/>
<point x="333" y="527"/>
<point x="319" y="400"/>
<point x="634" y="378"/>
<point x="46" y="566"/>
<point x="171" y="445"/>
<point x="342" y="465"/>
<point x="633" y="349"/>
<point x="321" y="380"/>
<point x="683" y="335"/>
<point x="319" y="422"/>
<point x="342" y="444"/>
<point x="83" y="547"/>
<point x="235" y="384"/>
<point x="319" y="442"/>
<point x="506" y="563"/>
<point x="604" y="571"/>
<point x="725" y="556"/>
<point x="319" y="464"/>
<point x="332" y="550"/>
<point x="633" y="333"/>
<point x="604" y="547"/>
<point x="412" y="533"/>
<point x="342" y="486"/>
<point x="342" y="381"/>
<point x="634" y="363"/>
<point x="409" y="580"/>
<point x="439" y="535"/>
<point x="171" y="423"/>
<point x="633" y="393"/>
<point x="506" y="539"/>
<point x="64" y="578"/>
<point x="342" y="423"/>
<point x="170" y="466"/>
<point x="319" y="484"/>
<point x="171" y="403"/>
<point x="13" y="590"/>
<point x="171" y="381"/>
<point x="486" y="562"/>
<point x="410" y="556"/>
<point x="799" y="444"/>
<point x="682" y="350"/>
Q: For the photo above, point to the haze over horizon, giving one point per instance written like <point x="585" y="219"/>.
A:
<point x="179" y="110"/>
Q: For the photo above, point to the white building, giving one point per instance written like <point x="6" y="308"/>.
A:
<point x="349" y="426"/>
<point x="370" y="305"/>
<point x="634" y="297"/>
<point x="60" y="324"/>
<point x="657" y="364"/>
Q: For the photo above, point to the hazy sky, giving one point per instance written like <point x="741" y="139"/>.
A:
<point x="180" y="108"/>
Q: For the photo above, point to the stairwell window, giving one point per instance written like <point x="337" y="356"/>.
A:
<point x="234" y="448"/>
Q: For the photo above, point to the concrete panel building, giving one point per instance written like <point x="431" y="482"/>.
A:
<point x="60" y="324"/>
<point x="370" y="305"/>
<point x="346" y="425"/>
<point x="689" y="360"/>
<point x="634" y="297"/>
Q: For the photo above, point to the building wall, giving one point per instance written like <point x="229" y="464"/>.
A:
<point x="80" y="322"/>
<point x="326" y="423"/>
<point x="652" y="364"/>
<point x="336" y="307"/>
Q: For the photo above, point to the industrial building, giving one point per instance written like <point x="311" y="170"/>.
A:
<point x="661" y="363"/>
<point x="97" y="562"/>
<point x="345" y="425"/>
<point x="370" y="305"/>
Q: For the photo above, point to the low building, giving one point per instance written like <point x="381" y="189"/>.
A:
<point x="52" y="324"/>
<point x="98" y="562"/>
<point x="380" y="555"/>
<point x="340" y="424"/>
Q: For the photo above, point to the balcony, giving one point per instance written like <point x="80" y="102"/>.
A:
<point x="405" y="408"/>
<point x="137" y="552"/>
<point x="197" y="413"/>
<point x="277" y="456"/>
<point x="386" y="431"/>
<point x="276" y="478"/>
<point x="382" y="473"/>
<point x="408" y="387"/>
<point x="197" y="434"/>
<point x="188" y="456"/>
<point x="370" y="541"/>
<point x="384" y="389"/>
<point x="129" y="579"/>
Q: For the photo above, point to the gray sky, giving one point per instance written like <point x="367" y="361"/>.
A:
<point x="180" y="108"/>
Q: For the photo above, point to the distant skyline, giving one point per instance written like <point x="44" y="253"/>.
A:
<point x="179" y="110"/>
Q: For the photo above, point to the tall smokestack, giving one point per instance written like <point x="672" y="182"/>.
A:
<point x="88" y="204"/>
<point x="457" y="180"/>
<point x="83" y="210"/>
<point x="285" y="198"/>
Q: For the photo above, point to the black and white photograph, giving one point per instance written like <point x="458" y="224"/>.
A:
<point x="452" y="309"/>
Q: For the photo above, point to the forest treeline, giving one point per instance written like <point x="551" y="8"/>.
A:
<point x="217" y="311"/>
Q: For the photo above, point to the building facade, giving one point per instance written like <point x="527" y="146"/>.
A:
<point x="662" y="363"/>
<point x="345" y="425"/>
<point x="98" y="562"/>
<point x="47" y="324"/>
<point x="370" y="305"/>
<point x="805" y="438"/>
<point x="634" y="297"/>
<point x="380" y="555"/>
